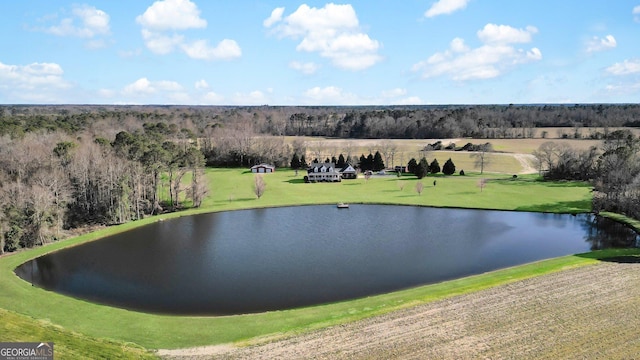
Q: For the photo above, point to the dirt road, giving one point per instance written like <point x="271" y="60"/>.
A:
<point x="591" y="312"/>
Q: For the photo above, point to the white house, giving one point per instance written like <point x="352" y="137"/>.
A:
<point x="318" y="172"/>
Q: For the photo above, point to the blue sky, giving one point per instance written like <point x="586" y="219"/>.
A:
<point x="283" y="52"/>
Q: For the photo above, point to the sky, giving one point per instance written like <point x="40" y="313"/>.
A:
<point x="282" y="52"/>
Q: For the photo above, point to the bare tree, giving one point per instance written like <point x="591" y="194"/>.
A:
<point x="419" y="187"/>
<point x="388" y="150"/>
<point x="401" y="185"/>
<point x="482" y="183"/>
<point x="317" y="148"/>
<point x="199" y="187"/>
<point x="259" y="186"/>
<point x="481" y="156"/>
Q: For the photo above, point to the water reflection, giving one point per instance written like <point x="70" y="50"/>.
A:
<point x="269" y="259"/>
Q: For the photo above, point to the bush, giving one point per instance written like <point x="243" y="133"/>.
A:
<point x="461" y="172"/>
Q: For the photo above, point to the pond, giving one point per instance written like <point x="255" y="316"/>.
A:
<point x="269" y="259"/>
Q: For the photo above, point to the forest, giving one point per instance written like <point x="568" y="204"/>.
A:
<point x="71" y="167"/>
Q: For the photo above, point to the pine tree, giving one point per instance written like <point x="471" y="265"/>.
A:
<point x="370" y="161"/>
<point x="295" y="161"/>
<point x="341" y="161"/>
<point x="422" y="169"/>
<point x="412" y="165"/>
<point x="363" y="163"/>
<point x="303" y="162"/>
<point x="378" y="163"/>
<point x="434" y="167"/>
<point x="449" y="167"/>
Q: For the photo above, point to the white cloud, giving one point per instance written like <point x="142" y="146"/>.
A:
<point x="276" y="16"/>
<point x="163" y="18"/>
<point x="171" y="15"/>
<point x="596" y="44"/>
<point x="36" y="82"/>
<point x="92" y="22"/>
<point x="490" y="60"/>
<point x="411" y="100"/>
<point x="332" y="31"/>
<point x="161" y="44"/>
<point x="308" y="68"/>
<point x="200" y="49"/>
<point x="211" y="98"/>
<point x="623" y="89"/>
<point x="252" y="98"/>
<point x="143" y="87"/>
<point x="201" y="84"/>
<point x="505" y="34"/>
<point x="445" y="7"/>
<point x="397" y="92"/>
<point x="636" y="13"/>
<point x="330" y="95"/>
<point x="626" y="67"/>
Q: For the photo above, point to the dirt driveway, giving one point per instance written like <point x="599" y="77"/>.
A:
<point x="588" y="313"/>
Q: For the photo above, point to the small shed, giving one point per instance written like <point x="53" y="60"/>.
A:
<point x="263" y="169"/>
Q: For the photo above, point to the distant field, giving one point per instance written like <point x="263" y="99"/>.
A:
<point x="412" y="148"/>
<point x="406" y="149"/>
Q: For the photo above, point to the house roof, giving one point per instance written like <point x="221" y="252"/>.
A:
<point x="348" y="169"/>
<point x="263" y="166"/>
<point x="314" y="166"/>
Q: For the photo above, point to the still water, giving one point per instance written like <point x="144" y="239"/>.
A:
<point x="268" y="259"/>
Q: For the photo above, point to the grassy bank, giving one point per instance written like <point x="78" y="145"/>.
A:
<point x="232" y="189"/>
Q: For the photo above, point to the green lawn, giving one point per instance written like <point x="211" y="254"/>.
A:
<point x="232" y="189"/>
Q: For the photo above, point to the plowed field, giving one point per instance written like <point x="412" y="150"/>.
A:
<point x="590" y="312"/>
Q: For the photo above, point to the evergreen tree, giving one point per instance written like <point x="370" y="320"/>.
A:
<point x="295" y="161"/>
<point x="303" y="162"/>
<point x="412" y="165"/>
<point x="334" y="160"/>
<point x="363" y="163"/>
<point x="422" y="169"/>
<point x="378" y="163"/>
<point x="327" y="160"/>
<point x="434" y="167"/>
<point x="341" y="162"/>
<point x="448" y="168"/>
<point x="370" y="161"/>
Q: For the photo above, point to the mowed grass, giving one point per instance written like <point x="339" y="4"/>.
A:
<point x="232" y="189"/>
<point x="67" y="344"/>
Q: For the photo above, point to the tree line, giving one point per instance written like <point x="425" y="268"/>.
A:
<point x="613" y="168"/>
<point x="401" y="122"/>
<point x="52" y="183"/>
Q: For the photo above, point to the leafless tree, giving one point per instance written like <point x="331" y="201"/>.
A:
<point x="401" y="185"/>
<point x="388" y="149"/>
<point x="419" y="187"/>
<point x="199" y="187"/>
<point x="482" y="183"/>
<point x="317" y="149"/>
<point x="259" y="186"/>
<point x="481" y="157"/>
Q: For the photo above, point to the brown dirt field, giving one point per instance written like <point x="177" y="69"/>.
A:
<point x="591" y="312"/>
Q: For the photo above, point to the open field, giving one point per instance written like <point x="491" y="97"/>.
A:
<point x="408" y="148"/>
<point x="509" y="157"/>
<point x="589" y="312"/>
<point x="232" y="189"/>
